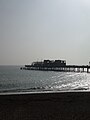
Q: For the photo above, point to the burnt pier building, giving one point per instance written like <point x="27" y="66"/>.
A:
<point x="56" y="65"/>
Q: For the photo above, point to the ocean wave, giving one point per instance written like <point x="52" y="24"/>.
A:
<point x="81" y="88"/>
<point x="33" y="89"/>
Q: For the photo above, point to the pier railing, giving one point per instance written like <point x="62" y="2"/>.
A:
<point x="65" y="68"/>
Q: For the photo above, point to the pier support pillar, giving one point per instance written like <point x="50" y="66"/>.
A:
<point x="83" y="69"/>
<point x="87" y="70"/>
<point x="73" y="69"/>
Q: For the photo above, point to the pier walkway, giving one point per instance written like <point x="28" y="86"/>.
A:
<point x="65" y="68"/>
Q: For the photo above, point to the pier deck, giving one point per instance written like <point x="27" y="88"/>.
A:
<point x="66" y="68"/>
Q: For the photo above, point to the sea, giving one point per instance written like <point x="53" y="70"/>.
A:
<point x="13" y="80"/>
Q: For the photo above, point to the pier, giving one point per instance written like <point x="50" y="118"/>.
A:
<point x="57" y="65"/>
<point x="67" y="68"/>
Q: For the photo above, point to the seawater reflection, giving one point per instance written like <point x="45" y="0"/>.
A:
<point x="14" y="79"/>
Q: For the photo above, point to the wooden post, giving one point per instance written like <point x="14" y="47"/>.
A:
<point x="83" y="69"/>
<point x="87" y="70"/>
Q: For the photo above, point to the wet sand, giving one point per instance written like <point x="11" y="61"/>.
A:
<point x="45" y="106"/>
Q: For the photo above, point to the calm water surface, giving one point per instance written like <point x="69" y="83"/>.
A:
<point x="12" y="79"/>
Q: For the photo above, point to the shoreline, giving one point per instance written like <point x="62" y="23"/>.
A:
<point x="46" y="106"/>
<point x="79" y="90"/>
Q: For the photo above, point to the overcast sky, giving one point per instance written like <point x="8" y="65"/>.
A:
<point x="33" y="30"/>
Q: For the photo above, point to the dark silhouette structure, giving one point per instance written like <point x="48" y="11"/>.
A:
<point x="49" y="63"/>
<point x="56" y="65"/>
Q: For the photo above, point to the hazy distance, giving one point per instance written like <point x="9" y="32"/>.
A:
<point x="32" y="30"/>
